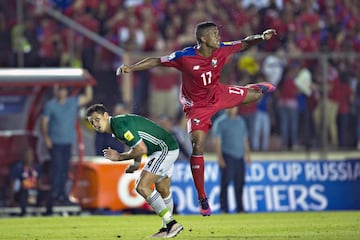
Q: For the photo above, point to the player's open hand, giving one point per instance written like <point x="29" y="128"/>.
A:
<point x="267" y="34"/>
<point x="122" y="69"/>
<point x="111" y="154"/>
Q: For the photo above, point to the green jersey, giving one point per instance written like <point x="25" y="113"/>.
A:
<point x="131" y="128"/>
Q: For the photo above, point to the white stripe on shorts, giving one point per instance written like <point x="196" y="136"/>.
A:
<point x="161" y="163"/>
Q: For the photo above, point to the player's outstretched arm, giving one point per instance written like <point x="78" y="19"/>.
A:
<point x="255" y="39"/>
<point x="141" y="65"/>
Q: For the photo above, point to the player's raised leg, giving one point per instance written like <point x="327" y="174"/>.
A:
<point x="265" y="87"/>
<point x="256" y="91"/>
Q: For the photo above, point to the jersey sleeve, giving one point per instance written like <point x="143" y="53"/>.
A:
<point x="131" y="138"/>
<point x="231" y="47"/>
<point x="125" y="133"/>
<point x="171" y="60"/>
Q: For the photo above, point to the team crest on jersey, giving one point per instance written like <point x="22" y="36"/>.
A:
<point x="196" y="121"/>
<point x="214" y="62"/>
<point x="128" y="136"/>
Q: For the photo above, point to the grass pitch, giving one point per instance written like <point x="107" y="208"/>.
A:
<point x="295" y="225"/>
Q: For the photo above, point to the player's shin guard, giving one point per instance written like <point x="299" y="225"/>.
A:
<point x="170" y="205"/>
<point x="157" y="203"/>
<point x="197" y="170"/>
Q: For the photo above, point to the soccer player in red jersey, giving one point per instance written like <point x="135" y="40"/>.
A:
<point x="202" y="94"/>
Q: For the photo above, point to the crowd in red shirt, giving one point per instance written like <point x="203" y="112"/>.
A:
<point x="313" y="26"/>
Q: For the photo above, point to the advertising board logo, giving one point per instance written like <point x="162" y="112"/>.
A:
<point x="126" y="190"/>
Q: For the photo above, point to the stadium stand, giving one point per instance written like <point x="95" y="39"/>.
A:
<point x="322" y="35"/>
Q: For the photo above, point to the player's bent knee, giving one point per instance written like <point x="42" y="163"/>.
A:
<point x="142" y="188"/>
<point x="164" y="192"/>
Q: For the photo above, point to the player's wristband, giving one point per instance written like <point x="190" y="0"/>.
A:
<point x="259" y="36"/>
<point x="253" y="37"/>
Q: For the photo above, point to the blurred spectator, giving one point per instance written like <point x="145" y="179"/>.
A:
<point x="164" y="93"/>
<point x="70" y="49"/>
<point x="303" y="82"/>
<point x="177" y="127"/>
<point x="104" y="58"/>
<point x="181" y="134"/>
<point x="25" y="41"/>
<point x="357" y="113"/>
<point x="263" y="3"/>
<point x="101" y="15"/>
<point x="288" y="107"/>
<point x="248" y="113"/>
<point x="26" y="186"/>
<point x="149" y="24"/>
<point x="232" y="148"/>
<point x="62" y="4"/>
<point x="145" y="25"/>
<point x="85" y="17"/>
<point x="5" y="43"/>
<point x="356" y="39"/>
<point x="247" y="63"/>
<point x="308" y="42"/>
<point x="30" y="34"/>
<point x="308" y="18"/>
<point x="273" y="66"/>
<point x="130" y="35"/>
<point x="57" y="127"/>
<point x="49" y="43"/>
<point x="271" y="18"/>
<point x="329" y="106"/>
<point x="262" y="125"/>
<point x="344" y="98"/>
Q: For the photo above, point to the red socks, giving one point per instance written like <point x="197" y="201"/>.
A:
<point x="197" y="170"/>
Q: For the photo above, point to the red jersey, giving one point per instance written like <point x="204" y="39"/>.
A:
<point x="200" y="75"/>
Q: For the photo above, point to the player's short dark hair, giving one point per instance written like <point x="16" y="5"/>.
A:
<point x="201" y="28"/>
<point x="98" y="108"/>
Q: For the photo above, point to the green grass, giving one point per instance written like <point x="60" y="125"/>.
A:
<point x="296" y="225"/>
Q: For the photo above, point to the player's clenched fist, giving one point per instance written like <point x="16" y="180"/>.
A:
<point x="267" y="34"/>
<point x="122" y="69"/>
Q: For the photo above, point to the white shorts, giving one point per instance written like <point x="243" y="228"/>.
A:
<point x="161" y="163"/>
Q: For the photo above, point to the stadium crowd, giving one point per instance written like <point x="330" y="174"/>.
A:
<point x="310" y="33"/>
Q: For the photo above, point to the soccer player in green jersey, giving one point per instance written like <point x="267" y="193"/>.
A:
<point x="143" y="136"/>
